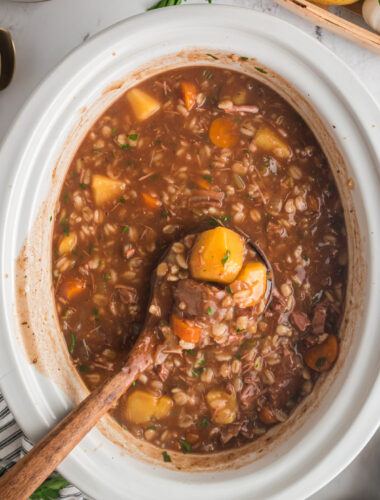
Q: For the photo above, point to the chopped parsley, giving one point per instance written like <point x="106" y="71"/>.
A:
<point x="122" y="200"/>
<point x="213" y="222"/>
<point x="207" y="178"/>
<point x="125" y="146"/>
<point x="81" y="185"/>
<point x="186" y="447"/>
<point x="50" y="488"/>
<point x="113" y="131"/>
<point x="212" y="56"/>
<point x="261" y="70"/>
<point x="195" y="374"/>
<point x="125" y="229"/>
<point x="133" y="137"/>
<point x="244" y="58"/>
<point x="201" y="362"/>
<point x="151" y="427"/>
<point x="205" y="421"/>
<point x="239" y="330"/>
<point x="107" y="277"/>
<point x="166" y="456"/>
<point x="226" y="257"/>
<point x="320" y="362"/>
<point x="83" y="368"/>
<point x="225" y="218"/>
<point x="95" y="311"/>
<point x="237" y="356"/>
<point x="191" y="352"/>
<point x="164" y="213"/>
<point x="51" y="218"/>
<point x="228" y="290"/>
<point x="210" y="311"/>
<point x="72" y="345"/>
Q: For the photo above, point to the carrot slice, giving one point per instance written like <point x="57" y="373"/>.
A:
<point x="189" y="94"/>
<point x="321" y="357"/>
<point x="71" y="288"/>
<point x="223" y="132"/>
<point x="266" y="415"/>
<point x="184" y="330"/>
<point x="150" y="201"/>
<point x="202" y="183"/>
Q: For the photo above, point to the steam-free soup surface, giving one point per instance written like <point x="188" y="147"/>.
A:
<point x="187" y="146"/>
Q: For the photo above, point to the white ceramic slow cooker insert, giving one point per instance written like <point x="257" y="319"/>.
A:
<point x="332" y="426"/>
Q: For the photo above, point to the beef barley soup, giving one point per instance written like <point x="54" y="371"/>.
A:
<point x="190" y="149"/>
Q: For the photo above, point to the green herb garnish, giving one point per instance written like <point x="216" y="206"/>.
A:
<point x="72" y="345"/>
<point x="316" y="298"/>
<point x="186" y="447"/>
<point x="83" y="368"/>
<point x="244" y="58"/>
<point x="107" y="277"/>
<point x="261" y="70"/>
<point x="113" y="131"/>
<point x="228" y="290"/>
<point x="195" y="374"/>
<point x="164" y="213"/>
<point x="95" y="311"/>
<point x="49" y="489"/>
<point x="239" y="330"/>
<point x="226" y="257"/>
<point x="210" y="311"/>
<point x="237" y="356"/>
<point x="213" y="222"/>
<point x="213" y="57"/>
<point x="151" y="427"/>
<point x="191" y="352"/>
<point x="320" y="362"/>
<point x="225" y="218"/>
<point x="166" y="456"/>
<point x="125" y="229"/>
<point x="122" y="200"/>
<point x="81" y="185"/>
<point x="133" y="137"/>
<point x="125" y="146"/>
<point x="205" y="421"/>
<point x="201" y="362"/>
<point x="207" y="178"/>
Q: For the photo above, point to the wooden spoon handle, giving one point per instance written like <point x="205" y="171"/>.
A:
<point x="25" y="477"/>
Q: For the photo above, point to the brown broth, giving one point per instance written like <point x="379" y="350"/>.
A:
<point x="271" y="181"/>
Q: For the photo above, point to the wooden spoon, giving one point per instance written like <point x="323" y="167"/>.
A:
<point x="25" y="477"/>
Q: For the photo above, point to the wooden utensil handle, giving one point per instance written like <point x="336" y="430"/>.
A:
<point x="25" y="477"/>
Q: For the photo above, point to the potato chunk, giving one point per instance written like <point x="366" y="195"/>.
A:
<point x="142" y="406"/>
<point x="222" y="405"/>
<point x="68" y="243"/>
<point x="106" y="189"/>
<point x="267" y="140"/>
<point x="217" y="255"/>
<point x="143" y="104"/>
<point x="255" y="275"/>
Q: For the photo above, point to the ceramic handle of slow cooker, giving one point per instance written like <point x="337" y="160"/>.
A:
<point x="25" y="477"/>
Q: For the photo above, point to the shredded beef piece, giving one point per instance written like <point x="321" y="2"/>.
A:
<point x="127" y="294"/>
<point x="319" y="318"/>
<point x="300" y="319"/>
<point x="198" y="297"/>
<point x="276" y="230"/>
<point x="288" y="379"/>
<point x="203" y="197"/>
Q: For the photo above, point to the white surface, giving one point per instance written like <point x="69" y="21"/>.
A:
<point x="44" y="33"/>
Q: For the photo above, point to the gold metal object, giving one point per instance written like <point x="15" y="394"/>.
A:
<point x="7" y="58"/>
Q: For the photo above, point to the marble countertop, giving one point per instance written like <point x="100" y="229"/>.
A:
<point x="45" y="32"/>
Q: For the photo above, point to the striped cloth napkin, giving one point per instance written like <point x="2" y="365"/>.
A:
<point x="14" y="445"/>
